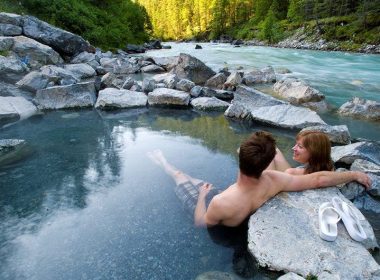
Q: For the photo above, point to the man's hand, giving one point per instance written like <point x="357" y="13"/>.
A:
<point x="204" y="190"/>
<point x="363" y="179"/>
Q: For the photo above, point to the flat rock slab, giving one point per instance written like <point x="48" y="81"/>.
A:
<point x="209" y="104"/>
<point x="15" y="108"/>
<point x="71" y="96"/>
<point x="284" y="236"/>
<point x="361" y="150"/>
<point x="111" y="98"/>
<point x="168" y="97"/>
<point x="250" y="103"/>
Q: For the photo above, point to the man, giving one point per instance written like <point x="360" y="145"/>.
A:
<point x="255" y="185"/>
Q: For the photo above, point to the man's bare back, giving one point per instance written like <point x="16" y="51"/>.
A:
<point x="237" y="202"/>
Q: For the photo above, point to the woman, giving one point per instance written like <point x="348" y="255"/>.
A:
<point x="312" y="150"/>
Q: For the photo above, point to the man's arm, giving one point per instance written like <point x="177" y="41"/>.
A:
<point x="203" y="216"/>
<point x="321" y="179"/>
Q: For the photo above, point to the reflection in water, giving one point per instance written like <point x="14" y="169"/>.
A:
<point x="89" y="204"/>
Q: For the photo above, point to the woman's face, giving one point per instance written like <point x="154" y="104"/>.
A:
<point x="300" y="154"/>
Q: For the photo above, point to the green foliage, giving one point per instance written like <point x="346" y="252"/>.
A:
<point x="311" y="277"/>
<point x="270" y="29"/>
<point x="109" y="24"/>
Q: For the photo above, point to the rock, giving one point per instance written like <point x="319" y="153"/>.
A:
<point x="36" y="53"/>
<point x="62" y="41"/>
<point x="166" y="62"/>
<point x="337" y="134"/>
<point x="8" y="18"/>
<point x="168" y="97"/>
<point x="290" y="222"/>
<point x="360" y="150"/>
<point x="198" y="47"/>
<point x="196" y="91"/>
<point x="320" y="106"/>
<point x="11" y="69"/>
<point x="152" y="69"/>
<point x="71" y="96"/>
<point x="291" y="276"/>
<point x="367" y="202"/>
<point x="11" y="150"/>
<point x="264" y="75"/>
<point x="193" y="69"/>
<point x="111" y="98"/>
<point x="15" y="108"/>
<point x="297" y="92"/>
<point x="6" y="43"/>
<point x="252" y="104"/>
<point x="119" y="65"/>
<point x="35" y="80"/>
<point x="10" y="30"/>
<point x="216" y="81"/>
<point x="7" y="89"/>
<point x="128" y="83"/>
<point x="283" y="70"/>
<point x="86" y="57"/>
<point x="373" y="172"/>
<point x="185" y="85"/>
<point x="80" y="70"/>
<point x="209" y="104"/>
<point x="59" y="75"/>
<point x="224" y="94"/>
<point x="233" y="80"/>
<point x="170" y="80"/>
<point x="131" y="48"/>
<point x="361" y="108"/>
<point x="148" y="85"/>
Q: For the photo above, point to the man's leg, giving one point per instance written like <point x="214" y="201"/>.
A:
<point x="178" y="176"/>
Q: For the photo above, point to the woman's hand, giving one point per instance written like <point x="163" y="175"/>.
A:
<point x="363" y="179"/>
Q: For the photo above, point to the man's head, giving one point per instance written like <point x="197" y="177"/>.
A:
<point x="256" y="153"/>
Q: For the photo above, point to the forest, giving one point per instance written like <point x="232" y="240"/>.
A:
<point x="269" y="20"/>
<point x="111" y="24"/>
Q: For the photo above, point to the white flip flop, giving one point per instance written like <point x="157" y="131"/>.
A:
<point x="328" y="220"/>
<point x="350" y="219"/>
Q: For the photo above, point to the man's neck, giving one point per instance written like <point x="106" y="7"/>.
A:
<point x="246" y="181"/>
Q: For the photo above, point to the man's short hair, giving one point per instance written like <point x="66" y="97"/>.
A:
<point x="256" y="153"/>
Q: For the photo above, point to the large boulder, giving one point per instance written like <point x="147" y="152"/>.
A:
<point x="361" y="108"/>
<point x="361" y="150"/>
<point x="337" y="134"/>
<point x="284" y="236"/>
<point x="71" y="96"/>
<point x="59" y="75"/>
<point x="296" y="91"/>
<point x="64" y="42"/>
<point x="185" y="85"/>
<point x="152" y="69"/>
<point x="6" y="44"/>
<point x="252" y="104"/>
<point x="35" y="53"/>
<point x="11" y="69"/>
<point x="193" y="69"/>
<point x="260" y="76"/>
<point x="168" y="97"/>
<point x="233" y="80"/>
<point x="209" y="104"/>
<point x="15" y="108"/>
<point x="86" y="57"/>
<point x="111" y="98"/>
